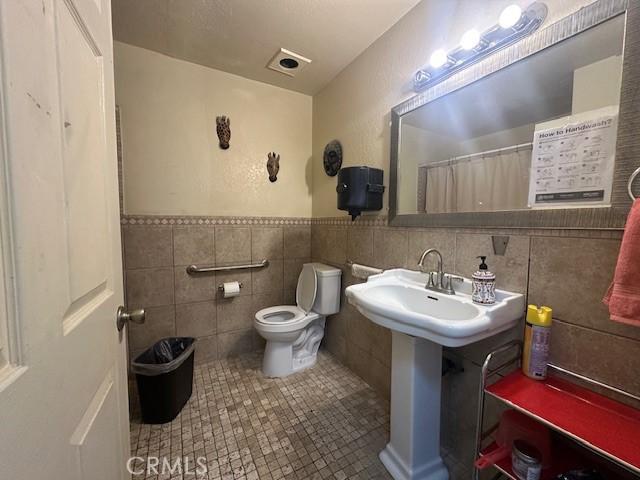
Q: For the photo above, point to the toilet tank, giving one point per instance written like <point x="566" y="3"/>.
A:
<point x="328" y="294"/>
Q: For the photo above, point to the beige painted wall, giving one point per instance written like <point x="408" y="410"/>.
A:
<point x="597" y="85"/>
<point x="354" y="108"/>
<point x="172" y="162"/>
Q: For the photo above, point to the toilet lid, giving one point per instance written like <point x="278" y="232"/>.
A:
<point x="307" y="288"/>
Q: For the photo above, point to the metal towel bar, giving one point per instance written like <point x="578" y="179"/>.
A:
<point x="630" y="185"/>
<point x="191" y="269"/>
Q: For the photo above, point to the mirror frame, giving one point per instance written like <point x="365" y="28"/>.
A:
<point x="628" y="136"/>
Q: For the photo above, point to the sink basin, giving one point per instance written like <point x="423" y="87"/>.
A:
<point x="422" y="321"/>
<point x="397" y="299"/>
<point x="416" y="303"/>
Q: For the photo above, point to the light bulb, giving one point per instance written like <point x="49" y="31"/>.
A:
<point x="438" y="58"/>
<point x="470" y="39"/>
<point x="510" y="16"/>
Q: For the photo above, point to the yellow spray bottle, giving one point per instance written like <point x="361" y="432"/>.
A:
<point x="537" y="336"/>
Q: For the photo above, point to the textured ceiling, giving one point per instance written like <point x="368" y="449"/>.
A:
<point x="241" y="36"/>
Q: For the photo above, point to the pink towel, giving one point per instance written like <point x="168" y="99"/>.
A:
<point x="623" y="296"/>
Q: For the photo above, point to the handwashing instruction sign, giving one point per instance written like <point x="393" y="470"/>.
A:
<point x="572" y="163"/>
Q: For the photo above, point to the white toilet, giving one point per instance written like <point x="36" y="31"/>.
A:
<point x="293" y="332"/>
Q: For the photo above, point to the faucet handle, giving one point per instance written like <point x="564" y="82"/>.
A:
<point x="448" y="279"/>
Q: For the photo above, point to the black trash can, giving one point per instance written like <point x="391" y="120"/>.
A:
<point x="164" y="374"/>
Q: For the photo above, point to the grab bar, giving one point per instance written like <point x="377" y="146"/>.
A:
<point x="191" y="269"/>
<point x="630" y="184"/>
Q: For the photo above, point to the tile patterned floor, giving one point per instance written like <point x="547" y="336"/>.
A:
<point x="323" y="423"/>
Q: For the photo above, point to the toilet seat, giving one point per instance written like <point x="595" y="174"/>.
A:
<point x="284" y="318"/>
<point x="280" y="314"/>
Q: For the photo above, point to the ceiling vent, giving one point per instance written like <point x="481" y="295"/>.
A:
<point x="287" y="62"/>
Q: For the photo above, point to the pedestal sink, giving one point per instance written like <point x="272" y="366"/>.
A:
<point x="422" y="321"/>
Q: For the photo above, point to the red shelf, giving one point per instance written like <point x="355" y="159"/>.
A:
<point x="600" y="423"/>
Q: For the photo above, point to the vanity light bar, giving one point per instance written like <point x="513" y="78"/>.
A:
<point x="513" y="25"/>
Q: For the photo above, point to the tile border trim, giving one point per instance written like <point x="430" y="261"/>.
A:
<point x="365" y="221"/>
<point x="345" y="221"/>
<point x="371" y="221"/>
<point x="206" y="220"/>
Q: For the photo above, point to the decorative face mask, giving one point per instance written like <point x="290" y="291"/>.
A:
<point x="273" y="166"/>
<point x="223" y="127"/>
<point x="332" y="158"/>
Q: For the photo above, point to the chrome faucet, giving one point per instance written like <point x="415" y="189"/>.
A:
<point x="438" y="281"/>
<point x="424" y="256"/>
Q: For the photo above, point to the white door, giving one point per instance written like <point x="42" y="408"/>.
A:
<point x="63" y="395"/>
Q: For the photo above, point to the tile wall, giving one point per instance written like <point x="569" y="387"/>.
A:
<point x="157" y="252"/>
<point x="567" y="270"/>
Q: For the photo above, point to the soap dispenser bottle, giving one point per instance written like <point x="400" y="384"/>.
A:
<point x="484" y="284"/>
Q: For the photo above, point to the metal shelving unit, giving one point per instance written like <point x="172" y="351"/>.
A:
<point x="609" y="428"/>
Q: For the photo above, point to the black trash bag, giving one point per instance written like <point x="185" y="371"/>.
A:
<point x="170" y="348"/>
<point x="164" y="356"/>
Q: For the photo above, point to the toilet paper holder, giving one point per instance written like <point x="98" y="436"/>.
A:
<point x="221" y="286"/>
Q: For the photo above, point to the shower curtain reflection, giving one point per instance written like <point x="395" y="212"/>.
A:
<point x="487" y="181"/>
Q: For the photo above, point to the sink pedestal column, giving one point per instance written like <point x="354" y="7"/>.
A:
<point x="413" y="453"/>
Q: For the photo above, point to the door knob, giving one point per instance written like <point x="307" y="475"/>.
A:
<point x="135" y="316"/>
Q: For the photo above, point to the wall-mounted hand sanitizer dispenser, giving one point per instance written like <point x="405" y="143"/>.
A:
<point x="359" y="189"/>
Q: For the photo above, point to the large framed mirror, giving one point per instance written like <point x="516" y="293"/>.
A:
<point x="525" y="138"/>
